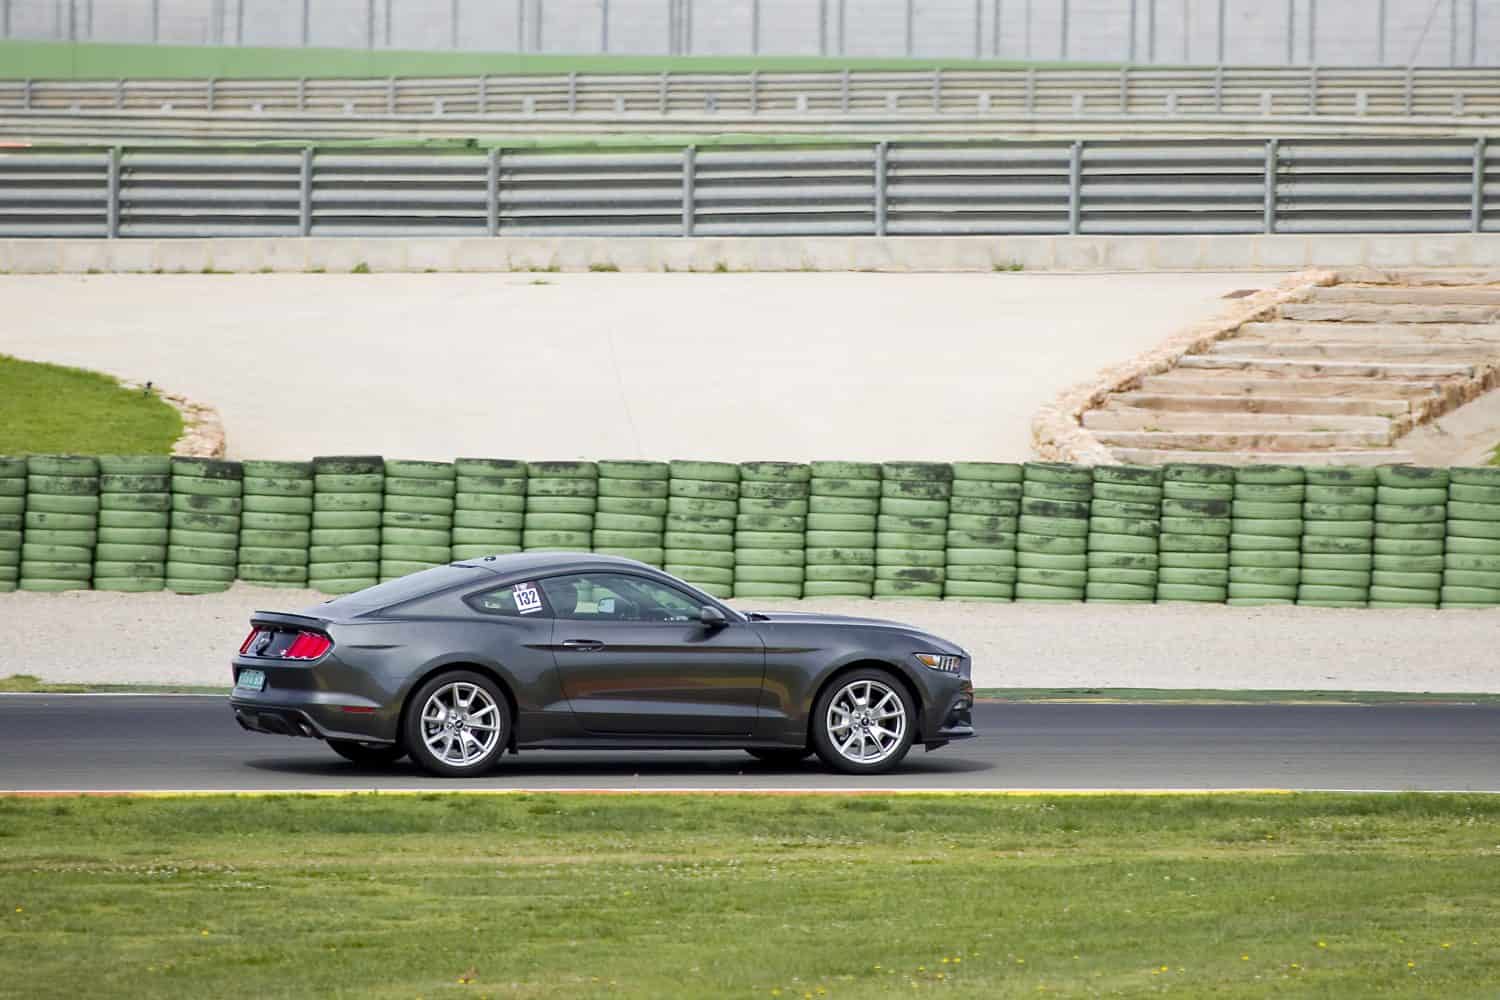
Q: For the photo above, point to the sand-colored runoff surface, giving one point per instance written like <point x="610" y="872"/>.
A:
<point x="90" y="636"/>
<point x="733" y="367"/>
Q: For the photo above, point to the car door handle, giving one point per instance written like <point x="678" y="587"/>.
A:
<point x="583" y="645"/>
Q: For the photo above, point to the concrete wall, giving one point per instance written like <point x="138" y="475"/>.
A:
<point x="1325" y="32"/>
<point x="909" y="253"/>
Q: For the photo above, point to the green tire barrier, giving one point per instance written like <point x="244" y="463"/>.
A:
<point x="1265" y="540"/>
<point x="12" y="518"/>
<point x="630" y="511"/>
<point x="1193" y="545"/>
<point x="132" y="560"/>
<point x="204" y="526"/>
<point x="417" y="516"/>
<point x="983" y="518"/>
<point x="276" y="535"/>
<point x="911" y="529"/>
<point x="561" y="500"/>
<point x="346" y="513"/>
<point x="1471" y="561"/>
<point x="698" y="532"/>
<point x="1410" y="507"/>
<point x="1122" y="563"/>
<point x="777" y="534"/>
<point x="1052" y="536"/>
<point x="52" y="530"/>
<point x="1337" y="569"/>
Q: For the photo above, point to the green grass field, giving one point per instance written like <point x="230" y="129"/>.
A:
<point x="49" y="409"/>
<point x="95" y="60"/>
<point x="441" y="895"/>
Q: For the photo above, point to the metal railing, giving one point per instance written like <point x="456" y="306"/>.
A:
<point x="896" y="188"/>
<point x="1131" y="90"/>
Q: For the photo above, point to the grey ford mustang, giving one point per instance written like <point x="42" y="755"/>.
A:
<point x="557" y="650"/>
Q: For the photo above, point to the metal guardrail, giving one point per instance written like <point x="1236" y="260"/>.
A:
<point x="898" y="188"/>
<point x="1234" y="91"/>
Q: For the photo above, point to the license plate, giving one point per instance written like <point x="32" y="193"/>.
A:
<point x="250" y="680"/>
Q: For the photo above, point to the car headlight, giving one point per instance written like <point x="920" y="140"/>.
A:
<point x="939" y="661"/>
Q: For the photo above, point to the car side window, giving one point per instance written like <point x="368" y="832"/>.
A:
<point x="519" y="600"/>
<point x="617" y="597"/>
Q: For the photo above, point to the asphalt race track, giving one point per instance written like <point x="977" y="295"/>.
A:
<point x="138" y="743"/>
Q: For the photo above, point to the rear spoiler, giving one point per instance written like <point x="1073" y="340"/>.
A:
<point x="284" y="620"/>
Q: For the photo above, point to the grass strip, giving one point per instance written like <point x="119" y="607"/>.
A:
<point x="1215" y="696"/>
<point x="31" y="684"/>
<point x="51" y="409"/>
<point x="532" y="895"/>
<point x="20" y="59"/>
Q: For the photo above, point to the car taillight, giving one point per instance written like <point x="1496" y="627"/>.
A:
<point x="245" y="646"/>
<point x="308" y="646"/>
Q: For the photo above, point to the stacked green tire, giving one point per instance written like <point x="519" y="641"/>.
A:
<point x="842" y="507"/>
<point x="204" y="540"/>
<point x="348" y="498"/>
<point x="1411" y="524"/>
<point x="631" y="517"/>
<point x="1193" y="549"/>
<point x="135" y="503"/>
<point x="416" y="520"/>
<point x="1053" y="541"/>
<point x="1471" y="557"/>
<point x="911" y="533"/>
<point x="1124" y="534"/>
<point x="276" y="523"/>
<point x="1265" y="548"/>
<point x="489" y="507"/>
<point x="1338" y="537"/>
<point x="561" y="498"/>
<point x="702" y="504"/>
<point x="770" y="531"/>
<point x="983" y="517"/>
<point x="12" y="519"/>
<point x="60" y="526"/>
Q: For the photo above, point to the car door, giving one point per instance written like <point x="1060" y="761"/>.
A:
<point x="635" y="660"/>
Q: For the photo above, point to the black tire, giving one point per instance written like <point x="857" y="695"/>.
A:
<point x="822" y="739"/>
<point x="781" y="757"/>
<point x="369" y="754"/>
<point x="412" y="727"/>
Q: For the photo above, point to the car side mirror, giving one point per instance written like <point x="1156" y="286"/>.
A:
<point x="712" y="617"/>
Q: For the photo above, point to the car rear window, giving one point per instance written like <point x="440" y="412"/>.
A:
<point x="408" y="588"/>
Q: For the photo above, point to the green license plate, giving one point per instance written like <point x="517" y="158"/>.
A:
<point x="250" y="680"/>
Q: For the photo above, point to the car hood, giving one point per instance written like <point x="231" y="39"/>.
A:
<point x="939" y="644"/>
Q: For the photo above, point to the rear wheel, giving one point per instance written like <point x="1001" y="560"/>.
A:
<point x="863" y="723"/>
<point x="458" y="725"/>
<point x="368" y="753"/>
<point x="780" y="757"/>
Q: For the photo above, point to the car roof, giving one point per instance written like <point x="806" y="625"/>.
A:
<point x="523" y="563"/>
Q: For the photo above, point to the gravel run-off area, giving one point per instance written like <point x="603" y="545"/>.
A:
<point x="730" y="367"/>
<point x="96" y="637"/>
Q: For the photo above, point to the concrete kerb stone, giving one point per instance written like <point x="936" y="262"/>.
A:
<point x="1057" y="431"/>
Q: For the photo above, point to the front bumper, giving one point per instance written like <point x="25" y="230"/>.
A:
<point x="956" y="721"/>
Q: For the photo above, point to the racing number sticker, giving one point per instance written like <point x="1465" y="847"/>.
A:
<point x="528" y="598"/>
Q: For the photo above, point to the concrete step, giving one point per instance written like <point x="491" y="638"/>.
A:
<point x="1475" y="333"/>
<point x="1357" y="350"/>
<point x="1397" y="294"/>
<point x="1152" y="456"/>
<point x="1346" y="369"/>
<point x="1446" y="277"/>
<point x="1358" y="312"/>
<point x="1204" y="403"/>
<point x="1128" y="418"/>
<point x="1208" y="382"/>
<point x="1244" y="440"/>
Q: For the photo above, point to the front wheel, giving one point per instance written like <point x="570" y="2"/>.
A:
<point x="370" y="754"/>
<point x="863" y="723"/>
<point x="458" y="725"/>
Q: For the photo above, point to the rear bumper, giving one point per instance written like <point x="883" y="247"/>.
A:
<point x="277" y="722"/>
